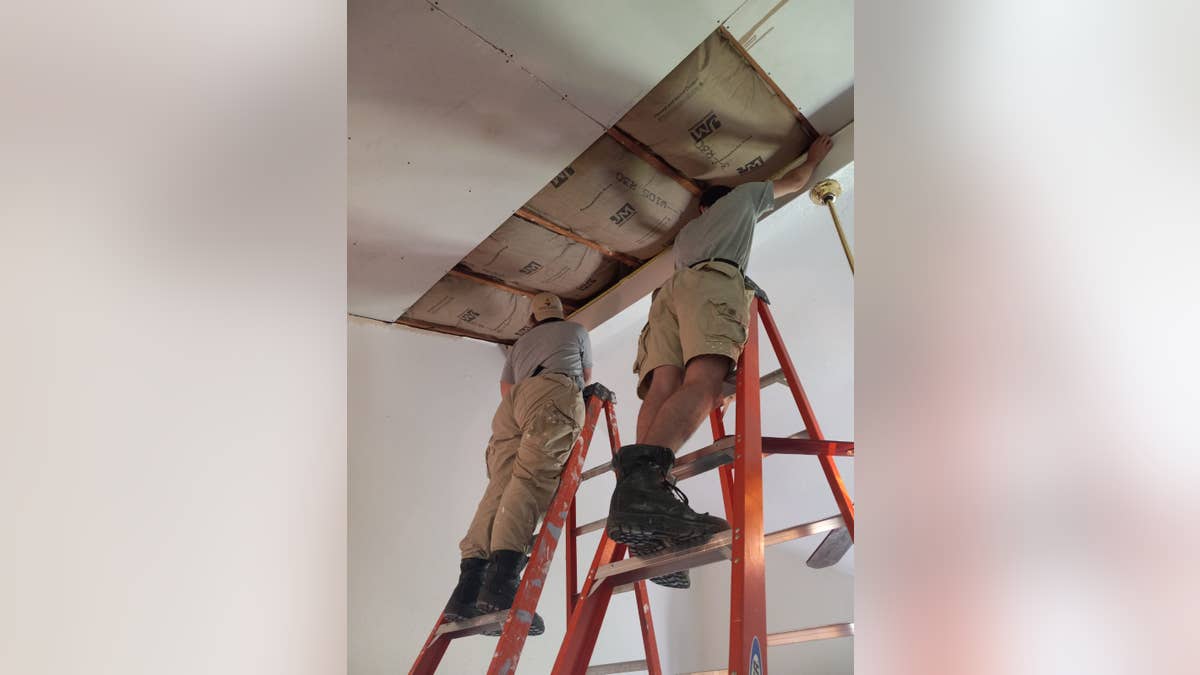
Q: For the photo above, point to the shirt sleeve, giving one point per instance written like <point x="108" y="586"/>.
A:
<point x="585" y="347"/>
<point x="506" y="375"/>
<point x="764" y="197"/>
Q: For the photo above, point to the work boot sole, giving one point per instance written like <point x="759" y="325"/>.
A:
<point x="454" y="615"/>
<point x="680" y="579"/>
<point x="648" y="535"/>
<point x="657" y="532"/>
<point x="536" y="627"/>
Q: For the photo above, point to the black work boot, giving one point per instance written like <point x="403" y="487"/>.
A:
<point x="461" y="604"/>
<point x="649" y="514"/>
<point x="500" y="583"/>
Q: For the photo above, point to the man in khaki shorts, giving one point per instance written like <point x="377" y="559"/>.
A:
<point x="540" y="416"/>
<point x="693" y="338"/>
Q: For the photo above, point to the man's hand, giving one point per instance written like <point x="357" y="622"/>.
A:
<point x="820" y="148"/>
<point x="797" y="178"/>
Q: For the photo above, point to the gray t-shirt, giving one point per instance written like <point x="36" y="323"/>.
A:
<point x="725" y="229"/>
<point x="557" y="346"/>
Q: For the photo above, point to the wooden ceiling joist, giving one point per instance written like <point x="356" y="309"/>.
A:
<point x="737" y="47"/>
<point x="650" y="157"/>
<point x="462" y="272"/>
<point x="537" y="219"/>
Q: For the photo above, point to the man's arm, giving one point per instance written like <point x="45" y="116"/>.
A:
<point x="797" y="178"/>
<point x="587" y="375"/>
<point x="504" y="388"/>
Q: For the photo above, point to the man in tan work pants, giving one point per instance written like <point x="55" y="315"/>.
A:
<point x="532" y="434"/>
<point x="695" y="333"/>
<point x="539" y="418"/>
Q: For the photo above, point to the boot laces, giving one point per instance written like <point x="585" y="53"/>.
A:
<point x="669" y="481"/>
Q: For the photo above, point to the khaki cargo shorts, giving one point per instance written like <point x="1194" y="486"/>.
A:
<point x="699" y="311"/>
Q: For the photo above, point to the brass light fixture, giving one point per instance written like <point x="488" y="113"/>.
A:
<point x="826" y="192"/>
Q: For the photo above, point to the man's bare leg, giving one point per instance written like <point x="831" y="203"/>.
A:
<point x="684" y="410"/>
<point x="646" y="513"/>
<point x="664" y="381"/>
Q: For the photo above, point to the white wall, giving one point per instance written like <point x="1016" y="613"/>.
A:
<point x="420" y="412"/>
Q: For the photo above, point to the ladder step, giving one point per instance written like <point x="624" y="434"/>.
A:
<point x="590" y="527"/>
<point x="718" y="548"/>
<point x="791" y="637"/>
<point x="729" y="387"/>
<point x="472" y="626"/>
<point x="834" y="630"/>
<point x="622" y="667"/>
<point x="831" y="549"/>
<point x="720" y="453"/>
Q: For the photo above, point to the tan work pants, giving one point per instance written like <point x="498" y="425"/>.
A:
<point x="533" y="431"/>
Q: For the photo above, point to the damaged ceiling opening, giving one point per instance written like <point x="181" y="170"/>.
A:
<point x="715" y="119"/>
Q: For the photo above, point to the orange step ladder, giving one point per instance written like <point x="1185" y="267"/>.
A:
<point x="515" y="623"/>
<point x="739" y="460"/>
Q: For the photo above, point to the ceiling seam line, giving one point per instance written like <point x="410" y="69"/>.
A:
<point x="510" y="56"/>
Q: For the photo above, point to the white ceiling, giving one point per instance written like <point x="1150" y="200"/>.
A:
<point x="460" y="111"/>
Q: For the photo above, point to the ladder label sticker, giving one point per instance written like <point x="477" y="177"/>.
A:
<point x="755" y="657"/>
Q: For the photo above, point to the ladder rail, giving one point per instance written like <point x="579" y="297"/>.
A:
<point x="571" y="561"/>
<point x="516" y="628"/>
<point x="748" y="610"/>
<point x="834" y="477"/>
<point x="649" y="641"/>
<point x="716" y="419"/>
<point x="583" y="626"/>
<point x="588" y="607"/>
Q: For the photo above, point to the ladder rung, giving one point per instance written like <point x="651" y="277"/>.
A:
<point x="590" y="527"/>
<point x="729" y="387"/>
<point x="721" y="452"/>
<point x="718" y="548"/>
<point x="597" y="470"/>
<point x="686" y="466"/>
<point x="801" y="444"/>
<point x="791" y="637"/>
<point x="831" y="549"/>
<point x="622" y="667"/>
<point x="472" y="626"/>
<point x="835" y="630"/>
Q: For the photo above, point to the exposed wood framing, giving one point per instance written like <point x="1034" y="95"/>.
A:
<point x="653" y="159"/>
<point x="450" y="330"/>
<point x="462" y="272"/>
<point x="527" y="215"/>
<point x="644" y="152"/>
<point x="737" y="46"/>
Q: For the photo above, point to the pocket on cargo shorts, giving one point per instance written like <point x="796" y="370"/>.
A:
<point x="641" y="350"/>
<point x="726" y="322"/>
